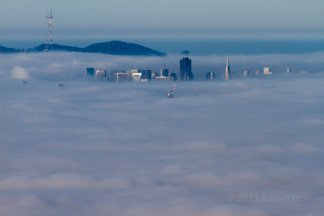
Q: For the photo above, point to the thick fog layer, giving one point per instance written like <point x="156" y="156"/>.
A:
<point x="65" y="65"/>
<point x="247" y="146"/>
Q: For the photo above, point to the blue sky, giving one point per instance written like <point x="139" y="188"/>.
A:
<point x="163" y="19"/>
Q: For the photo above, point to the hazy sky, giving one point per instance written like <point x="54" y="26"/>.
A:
<point x="163" y="19"/>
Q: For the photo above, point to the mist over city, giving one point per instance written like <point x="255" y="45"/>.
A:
<point x="107" y="113"/>
<point x="62" y="66"/>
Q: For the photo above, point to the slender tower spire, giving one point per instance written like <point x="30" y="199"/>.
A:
<point x="49" y="29"/>
<point x="227" y="70"/>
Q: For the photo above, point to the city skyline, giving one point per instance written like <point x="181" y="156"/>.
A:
<point x="185" y="73"/>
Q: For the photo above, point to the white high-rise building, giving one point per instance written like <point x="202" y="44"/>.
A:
<point x="134" y="74"/>
<point x="122" y="77"/>
<point x="101" y="73"/>
<point x="136" y="77"/>
<point x="267" y="70"/>
<point x="130" y="72"/>
<point x="227" y="70"/>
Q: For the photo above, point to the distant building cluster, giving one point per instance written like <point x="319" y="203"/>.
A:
<point x="186" y="73"/>
<point x="145" y="75"/>
<point x="134" y="75"/>
<point x="228" y="73"/>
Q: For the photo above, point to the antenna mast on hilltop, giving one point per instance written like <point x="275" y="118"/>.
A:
<point x="49" y="30"/>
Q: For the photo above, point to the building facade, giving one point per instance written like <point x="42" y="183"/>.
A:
<point x="267" y="70"/>
<point x="227" y="70"/>
<point x="146" y="74"/>
<point x="131" y="72"/>
<point x="210" y="76"/>
<point x="164" y="72"/>
<point x="122" y="77"/>
<point x="89" y="72"/>
<point x="185" y="69"/>
<point x="174" y="76"/>
<point x="101" y="73"/>
<point x="136" y="77"/>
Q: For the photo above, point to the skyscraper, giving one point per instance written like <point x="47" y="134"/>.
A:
<point x="130" y="72"/>
<point x="164" y="72"/>
<point x="101" y="73"/>
<point x="185" y="69"/>
<point x="122" y="77"/>
<point x="267" y="70"/>
<point x="174" y="76"/>
<point x="227" y="70"/>
<point x="89" y="72"/>
<point x="146" y="74"/>
<point x="210" y="76"/>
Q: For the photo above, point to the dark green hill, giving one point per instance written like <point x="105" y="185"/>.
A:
<point x="121" y="48"/>
<point x="8" y="50"/>
<point x="112" y="48"/>
<point x="56" y="47"/>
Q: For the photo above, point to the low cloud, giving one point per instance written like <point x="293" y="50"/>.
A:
<point x="19" y="73"/>
<point x="71" y="66"/>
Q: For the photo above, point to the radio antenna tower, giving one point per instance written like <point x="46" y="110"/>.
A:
<point x="49" y="29"/>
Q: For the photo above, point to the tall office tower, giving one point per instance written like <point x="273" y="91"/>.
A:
<point x="174" y="76"/>
<point x="154" y="75"/>
<point x="89" y="72"/>
<point x="210" y="76"/>
<point x="185" y="69"/>
<point x="146" y="74"/>
<point x="101" y="73"/>
<point x="188" y="76"/>
<point x="164" y="72"/>
<point x="122" y="77"/>
<point x="169" y="77"/>
<point x="130" y="72"/>
<point x="227" y="70"/>
<point x="267" y="70"/>
<point x="288" y="70"/>
<point x="136" y="77"/>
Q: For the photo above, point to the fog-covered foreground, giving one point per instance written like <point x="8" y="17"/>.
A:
<point x="243" y="147"/>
